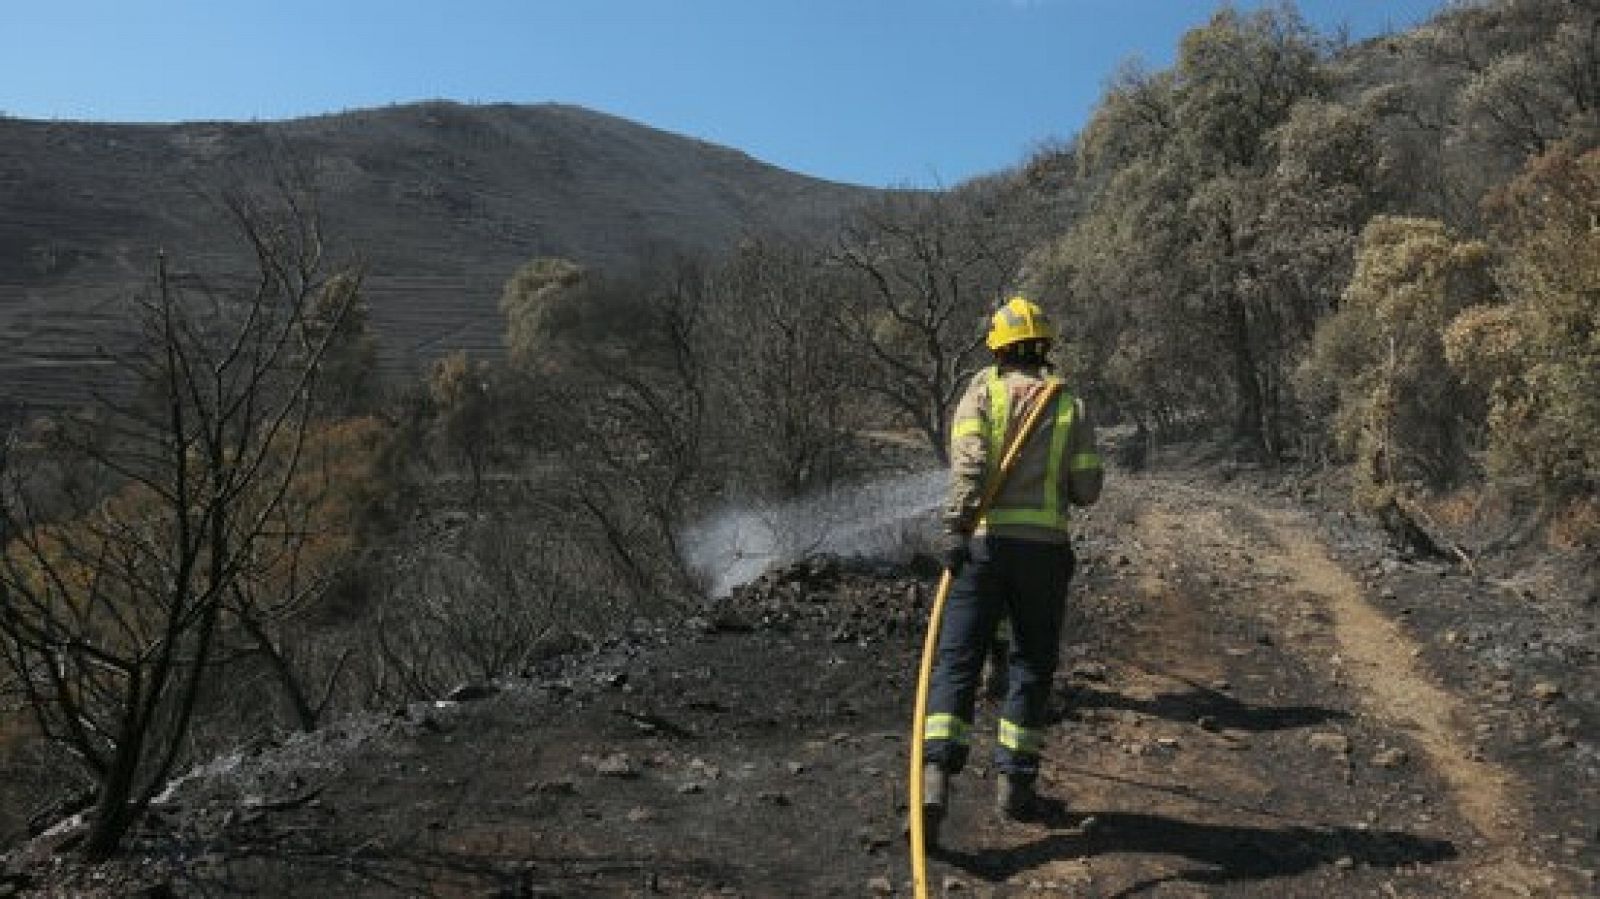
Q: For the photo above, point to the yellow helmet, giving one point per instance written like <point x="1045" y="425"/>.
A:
<point x="1019" y="320"/>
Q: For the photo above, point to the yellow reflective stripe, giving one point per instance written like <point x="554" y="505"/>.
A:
<point x="1017" y="738"/>
<point x="1039" y="517"/>
<point x="968" y="427"/>
<point x="1065" y="408"/>
<point x="999" y="416"/>
<point x="1085" y="462"/>
<point x="945" y="726"/>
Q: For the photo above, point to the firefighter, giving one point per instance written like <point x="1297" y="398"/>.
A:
<point x="1014" y="562"/>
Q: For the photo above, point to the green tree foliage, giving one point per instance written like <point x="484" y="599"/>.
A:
<point x="1236" y="79"/>
<point x="1481" y="87"/>
<point x="1134" y="120"/>
<point x="1377" y="365"/>
<point x="610" y="384"/>
<point x="348" y="378"/>
<point x="1328" y="178"/>
<point x="1124" y="306"/>
<point x="459" y="394"/>
<point x="541" y="301"/>
<point x="1533" y="72"/>
<point x="1537" y="354"/>
<point x="1228" y="194"/>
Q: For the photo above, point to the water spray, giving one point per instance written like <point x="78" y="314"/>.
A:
<point x="885" y="520"/>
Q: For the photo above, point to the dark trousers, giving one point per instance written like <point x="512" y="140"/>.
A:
<point x="1026" y="580"/>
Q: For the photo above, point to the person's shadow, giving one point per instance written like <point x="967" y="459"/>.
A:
<point x="1222" y="853"/>
<point x="1200" y="704"/>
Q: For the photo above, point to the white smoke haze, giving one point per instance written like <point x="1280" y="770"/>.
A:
<point x="886" y="520"/>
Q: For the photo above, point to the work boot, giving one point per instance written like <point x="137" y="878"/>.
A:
<point x="935" y="799"/>
<point x="1014" y="797"/>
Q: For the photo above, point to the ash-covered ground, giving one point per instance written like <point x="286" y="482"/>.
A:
<point x="1256" y="698"/>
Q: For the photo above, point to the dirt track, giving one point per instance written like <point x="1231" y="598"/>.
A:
<point x="1260" y="728"/>
<point x="1247" y="709"/>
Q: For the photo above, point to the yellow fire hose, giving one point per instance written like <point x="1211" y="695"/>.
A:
<point x="1008" y="460"/>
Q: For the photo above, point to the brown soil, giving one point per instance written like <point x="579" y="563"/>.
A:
<point x="1253" y="701"/>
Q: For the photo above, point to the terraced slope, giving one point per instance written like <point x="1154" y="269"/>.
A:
<point x="443" y="202"/>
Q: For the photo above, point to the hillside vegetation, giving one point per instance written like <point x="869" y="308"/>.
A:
<point x="1376" y="265"/>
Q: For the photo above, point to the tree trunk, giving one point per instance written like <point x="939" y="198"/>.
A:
<point x="294" y="693"/>
<point x="113" y="813"/>
<point x="1248" y="421"/>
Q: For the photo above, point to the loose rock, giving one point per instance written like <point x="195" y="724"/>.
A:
<point x="472" y="692"/>
<point x="1336" y="743"/>
<point x="1390" y="758"/>
<point x="1559" y="741"/>
<point x="617" y="764"/>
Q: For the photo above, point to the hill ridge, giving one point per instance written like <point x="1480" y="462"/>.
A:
<point x="421" y="191"/>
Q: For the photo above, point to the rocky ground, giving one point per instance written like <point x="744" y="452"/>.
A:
<point x="1256" y="699"/>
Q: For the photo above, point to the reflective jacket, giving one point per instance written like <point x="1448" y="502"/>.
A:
<point x="1058" y="468"/>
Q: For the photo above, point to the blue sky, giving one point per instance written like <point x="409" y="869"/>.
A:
<point x="878" y="92"/>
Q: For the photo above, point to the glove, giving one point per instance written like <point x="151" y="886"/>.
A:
<point x="954" y="552"/>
